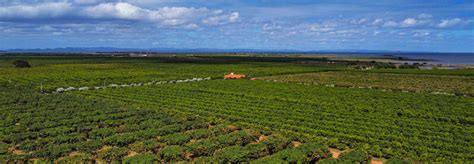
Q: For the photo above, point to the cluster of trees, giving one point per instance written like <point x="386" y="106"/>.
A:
<point x="409" y="66"/>
<point x="21" y="64"/>
<point x="387" y="65"/>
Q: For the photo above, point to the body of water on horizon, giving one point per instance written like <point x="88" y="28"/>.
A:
<point x="434" y="58"/>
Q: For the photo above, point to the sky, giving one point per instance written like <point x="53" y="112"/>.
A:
<point x="397" y="25"/>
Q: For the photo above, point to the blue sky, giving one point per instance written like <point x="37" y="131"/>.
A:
<point x="401" y="25"/>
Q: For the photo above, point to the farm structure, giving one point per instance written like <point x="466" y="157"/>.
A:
<point x="234" y="76"/>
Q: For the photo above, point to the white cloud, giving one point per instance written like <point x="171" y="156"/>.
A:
<point x="421" y="20"/>
<point x="173" y="22"/>
<point x="320" y="28"/>
<point x="148" y="2"/>
<point x="359" y="21"/>
<point x="409" y="22"/>
<point x="270" y="27"/>
<point x="116" y="10"/>
<point x="425" y="16"/>
<point x="170" y="16"/>
<point x="390" y="24"/>
<point x="377" y="21"/>
<point x="167" y="16"/>
<point x="191" y="26"/>
<point x="421" y="34"/>
<point x="222" y="19"/>
<point x="45" y="28"/>
<point x="179" y="13"/>
<point x="447" y="23"/>
<point x="346" y="31"/>
<point x="375" y="33"/>
<point x="43" y="10"/>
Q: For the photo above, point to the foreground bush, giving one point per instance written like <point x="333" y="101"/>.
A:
<point x="172" y="153"/>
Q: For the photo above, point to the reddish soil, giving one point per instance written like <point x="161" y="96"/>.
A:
<point x="233" y="128"/>
<point x="189" y="156"/>
<point x="376" y="161"/>
<point x="131" y="154"/>
<point x="262" y="138"/>
<point x="335" y="153"/>
<point x="74" y="153"/>
<point x="16" y="151"/>
<point x="296" y="144"/>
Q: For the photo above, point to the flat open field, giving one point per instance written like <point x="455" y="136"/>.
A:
<point x="421" y="82"/>
<point x="179" y="108"/>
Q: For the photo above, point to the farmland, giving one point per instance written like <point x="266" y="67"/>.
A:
<point x="89" y="71"/>
<point x="295" y="110"/>
<point x="421" y="82"/>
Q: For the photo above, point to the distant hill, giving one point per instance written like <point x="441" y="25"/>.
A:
<point x="114" y="49"/>
<point x="188" y="50"/>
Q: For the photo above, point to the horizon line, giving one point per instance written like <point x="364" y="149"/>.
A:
<point x="205" y="50"/>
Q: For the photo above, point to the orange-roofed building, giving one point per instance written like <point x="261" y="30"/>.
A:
<point x="234" y="76"/>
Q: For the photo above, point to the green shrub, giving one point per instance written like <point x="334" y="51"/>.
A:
<point x="146" y="146"/>
<point x="203" y="147"/>
<point x="291" y="155"/>
<point x="171" y="153"/>
<point x="53" y="151"/>
<point x="375" y="150"/>
<point x="88" y="146"/>
<point x="397" y="161"/>
<point x="101" y="133"/>
<point x="232" y="154"/>
<point x="314" y="151"/>
<point x="407" y="66"/>
<point x="357" y="155"/>
<point x="147" y="158"/>
<point x="235" y="138"/>
<point x="21" y="64"/>
<point x="268" y="160"/>
<point x="81" y="157"/>
<point x="205" y="159"/>
<point x="4" y="148"/>
<point x="330" y="161"/>
<point x="175" y="139"/>
<point x="112" y="154"/>
<point x="275" y="143"/>
<point x="122" y="139"/>
<point x="257" y="150"/>
<point x="199" y="133"/>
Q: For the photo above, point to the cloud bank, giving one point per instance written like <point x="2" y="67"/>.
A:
<point x="120" y="11"/>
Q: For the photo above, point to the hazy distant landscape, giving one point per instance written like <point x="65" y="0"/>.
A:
<point x="243" y="81"/>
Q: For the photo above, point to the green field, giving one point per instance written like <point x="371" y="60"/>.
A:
<point x="54" y="72"/>
<point x="422" y="81"/>
<point x="288" y="113"/>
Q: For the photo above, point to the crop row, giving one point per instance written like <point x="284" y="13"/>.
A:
<point x="459" y="85"/>
<point x="406" y="134"/>
<point x="62" y="90"/>
<point x="68" y="128"/>
<point x="53" y="76"/>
